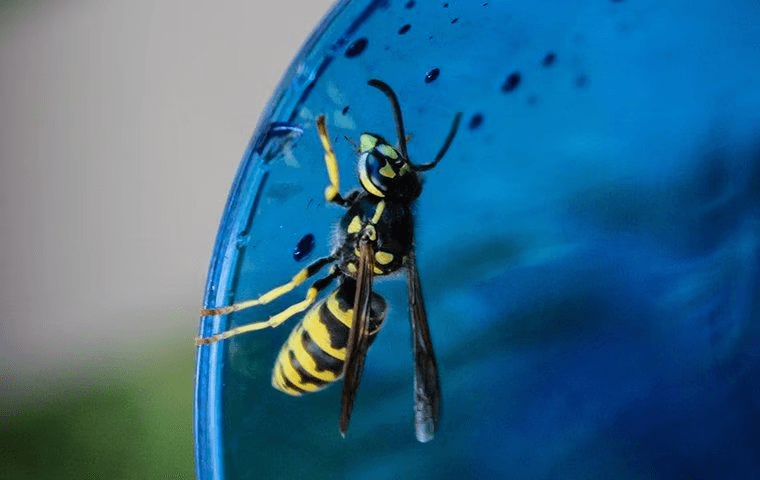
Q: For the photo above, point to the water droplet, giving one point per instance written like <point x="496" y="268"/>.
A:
<point x="356" y="48"/>
<point x="432" y="75"/>
<point x="404" y="29"/>
<point x="511" y="83"/>
<point x="475" y="121"/>
<point x="549" y="59"/>
<point x="304" y="247"/>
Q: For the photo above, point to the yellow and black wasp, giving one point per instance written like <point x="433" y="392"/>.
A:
<point x="375" y="238"/>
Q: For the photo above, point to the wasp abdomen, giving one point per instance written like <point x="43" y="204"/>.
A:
<point x="314" y="353"/>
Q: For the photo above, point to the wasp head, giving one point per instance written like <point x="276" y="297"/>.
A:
<point x="384" y="171"/>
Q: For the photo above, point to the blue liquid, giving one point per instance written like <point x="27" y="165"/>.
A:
<point x="589" y="248"/>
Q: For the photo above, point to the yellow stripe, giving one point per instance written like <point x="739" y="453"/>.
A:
<point x="367" y="142"/>
<point x="307" y="362"/>
<point x="367" y="184"/>
<point x="278" y="382"/>
<point x="378" y="211"/>
<point x="346" y="317"/>
<point x="312" y="323"/>
<point x="355" y="225"/>
<point x="388" y="151"/>
<point x="384" y="258"/>
<point x="292" y="374"/>
<point x="387" y="171"/>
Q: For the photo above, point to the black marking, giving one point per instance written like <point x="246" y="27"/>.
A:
<point x="445" y="5"/>
<point x="338" y="330"/>
<point x="549" y="59"/>
<point x="475" y="121"/>
<point x="409" y="4"/>
<point x="404" y="29"/>
<point x="304" y="247"/>
<point x="345" y="110"/>
<point x="324" y="361"/>
<point x="581" y="80"/>
<point x="511" y="83"/>
<point x="306" y="377"/>
<point x="432" y="75"/>
<point x="316" y="266"/>
<point x="356" y="48"/>
<point x="290" y="385"/>
<point x="454" y="20"/>
<point x="345" y="295"/>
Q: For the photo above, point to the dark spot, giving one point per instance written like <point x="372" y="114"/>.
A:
<point x="549" y="59"/>
<point x="430" y="37"/>
<point x="484" y="4"/>
<point x="454" y="20"/>
<point x="581" y="80"/>
<point x="432" y="75"/>
<point x="409" y="4"/>
<point x="445" y="5"/>
<point x="345" y="110"/>
<point x="512" y="81"/>
<point x="475" y="121"/>
<point x="404" y="29"/>
<point x="304" y="247"/>
<point x="532" y="99"/>
<point x="356" y="48"/>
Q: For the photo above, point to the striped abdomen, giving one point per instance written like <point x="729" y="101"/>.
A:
<point x="314" y="354"/>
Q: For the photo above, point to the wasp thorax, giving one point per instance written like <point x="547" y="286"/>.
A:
<point x="384" y="172"/>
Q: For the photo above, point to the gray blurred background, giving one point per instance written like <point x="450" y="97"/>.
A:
<point x="121" y="126"/>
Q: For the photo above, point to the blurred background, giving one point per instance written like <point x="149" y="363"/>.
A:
<point x="121" y="126"/>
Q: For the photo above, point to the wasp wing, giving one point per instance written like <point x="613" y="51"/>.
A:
<point x="427" y="387"/>
<point x="358" y="337"/>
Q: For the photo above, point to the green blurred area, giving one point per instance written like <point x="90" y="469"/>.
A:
<point x="133" y="423"/>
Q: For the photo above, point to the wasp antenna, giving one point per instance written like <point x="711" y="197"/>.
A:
<point x="444" y="148"/>
<point x="388" y="91"/>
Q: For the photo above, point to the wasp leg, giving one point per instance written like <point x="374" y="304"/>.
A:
<point x="298" y="279"/>
<point x="332" y="192"/>
<point x="277" y="319"/>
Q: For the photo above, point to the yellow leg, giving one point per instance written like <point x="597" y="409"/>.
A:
<point x="278" y="319"/>
<point x="274" y="293"/>
<point x="332" y="192"/>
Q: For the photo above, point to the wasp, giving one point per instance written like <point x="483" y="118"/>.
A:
<point x="375" y="238"/>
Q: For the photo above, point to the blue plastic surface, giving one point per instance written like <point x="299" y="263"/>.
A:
<point x="589" y="247"/>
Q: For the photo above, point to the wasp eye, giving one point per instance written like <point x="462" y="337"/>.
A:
<point x="375" y="173"/>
